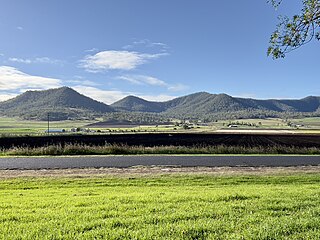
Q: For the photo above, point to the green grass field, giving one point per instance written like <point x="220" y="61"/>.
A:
<point x="161" y="207"/>
<point x="13" y="126"/>
<point x="311" y="124"/>
<point x="18" y="126"/>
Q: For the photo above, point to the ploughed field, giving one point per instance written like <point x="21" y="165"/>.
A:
<point x="173" y="139"/>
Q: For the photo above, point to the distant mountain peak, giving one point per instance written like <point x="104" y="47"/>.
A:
<point x="63" y="99"/>
<point x="133" y="103"/>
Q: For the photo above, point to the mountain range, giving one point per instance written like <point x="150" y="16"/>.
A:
<point x="203" y="103"/>
<point x="66" y="103"/>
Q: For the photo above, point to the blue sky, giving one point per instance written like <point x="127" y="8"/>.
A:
<point x="108" y="49"/>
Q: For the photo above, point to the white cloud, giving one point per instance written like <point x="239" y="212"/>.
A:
<point x="148" y="44"/>
<point x="20" y="28"/>
<point x="35" y="60"/>
<point x="157" y="98"/>
<point x="47" y="60"/>
<point x="111" y="60"/>
<point x="7" y="96"/>
<point x="159" y="44"/>
<point x="106" y="96"/>
<point x="153" y="81"/>
<point x="111" y="96"/>
<point x="178" y="87"/>
<point x="13" y="79"/>
<point x="148" y="80"/>
<point x="127" y="47"/>
<point x="92" y="50"/>
<point x="142" y="80"/>
<point x="20" y="60"/>
<point x="82" y="82"/>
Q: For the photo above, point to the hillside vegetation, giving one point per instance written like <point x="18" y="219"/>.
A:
<point x="204" y="103"/>
<point x="61" y="103"/>
<point x="65" y="103"/>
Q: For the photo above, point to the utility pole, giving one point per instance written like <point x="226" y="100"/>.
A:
<point x="48" y="123"/>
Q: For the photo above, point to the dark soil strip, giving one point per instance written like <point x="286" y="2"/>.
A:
<point x="150" y="140"/>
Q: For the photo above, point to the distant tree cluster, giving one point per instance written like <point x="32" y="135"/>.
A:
<point x="244" y="114"/>
<point x="238" y="123"/>
<point x="137" y="117"/>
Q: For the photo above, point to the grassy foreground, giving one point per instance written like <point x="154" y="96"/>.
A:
<point x="161" y="207"/>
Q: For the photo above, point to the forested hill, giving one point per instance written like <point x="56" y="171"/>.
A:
<point x="206" y="103"/>
<point x="66" y="103"/>
<point x="62" y="102"/>
<point x="136" y="104"/>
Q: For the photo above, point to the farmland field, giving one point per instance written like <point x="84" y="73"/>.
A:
<point x="165" y="139"/>
<point x="15" y="126"/>
<point x="256" y="135"/>
<point x="179" y="206"/>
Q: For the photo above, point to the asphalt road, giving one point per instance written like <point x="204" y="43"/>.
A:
<point x="130" y="161"/>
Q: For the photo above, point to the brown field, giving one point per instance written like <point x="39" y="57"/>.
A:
<point x="161" y="139"/>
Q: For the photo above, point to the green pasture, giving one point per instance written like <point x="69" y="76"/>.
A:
<point x="19" y="126"/>
<point x="272" y="123"/>
<point x="13" y="126"/>
<point x="154" y="128"/>
<point x="161" y="207"/>
<point x="307" y="125"/>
